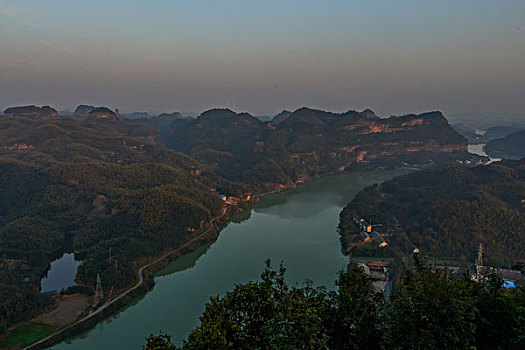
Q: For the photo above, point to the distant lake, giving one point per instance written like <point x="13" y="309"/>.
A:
<point x="479" y="150"/>
<point x="61" y="274"/>
<point x="298" y="227"/>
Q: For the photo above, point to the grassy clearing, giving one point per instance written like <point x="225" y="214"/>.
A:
<point x="28" y="334"/>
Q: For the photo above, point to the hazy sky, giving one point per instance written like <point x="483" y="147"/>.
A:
<point x="464" y="57"/>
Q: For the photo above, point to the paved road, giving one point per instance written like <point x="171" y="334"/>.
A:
<point x="138" y="284"/>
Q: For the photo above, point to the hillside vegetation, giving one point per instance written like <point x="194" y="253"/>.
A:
<point x="87" y="186"/>
<point x="446" y="212"/>
<point x="429" y="310"/>
<point x="96" y="182"/>
<point x="309" y="143"/>
<point x="508" y="147"/>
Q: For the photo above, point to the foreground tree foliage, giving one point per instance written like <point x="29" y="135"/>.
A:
<point x="429" y="310"/>
<point x="159" y="342"/>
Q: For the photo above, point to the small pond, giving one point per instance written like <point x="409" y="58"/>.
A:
<point x="61" y="274"/>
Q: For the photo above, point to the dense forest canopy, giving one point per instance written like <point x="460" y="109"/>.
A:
<point x="88" y="186"/>
<point x="309" y="143"/>
<point x="429" y="310"/>
<point x="446" y="212"/>
<point x="94" y="182"/>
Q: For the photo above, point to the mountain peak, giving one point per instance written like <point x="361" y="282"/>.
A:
<point x="31" y="111"/>
<point x="82" y="111"/>
<point x="102" y="113"/>
<point x="279" y="118"/>
<point x="368" y="113"/>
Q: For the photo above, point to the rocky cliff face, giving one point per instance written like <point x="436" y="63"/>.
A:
<point x="368" y="113"/>
<point x="31" y="112"/>
<point x="311" y="142"/>
<point x="82" y="111"/>
<point x="102" y="113"/>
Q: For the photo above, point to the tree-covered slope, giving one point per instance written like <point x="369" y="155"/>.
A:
<point x="311" y="143"/>
<point x="501" y="131"/>
<point x="446" y="212"/>
<point x="88" y="186"/>
<point x="509" y="147"/>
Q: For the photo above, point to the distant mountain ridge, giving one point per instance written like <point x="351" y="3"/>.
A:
<point x="87" y="185"/>
<point x="86" y="111"/>
<point x="279" y="118"/>
<point x="82" y="111"/>
<point x="368" y="113"/>
<point x="310" y="142"/>
<point x="170" y="115"/>
<point x="137" y="115"/>
<point x="470" y="134"/>
<point x="479" y="137"/>
<point x="501" y="131"/>
<point x="103" y="113"/>
<point x="511" y="146"/>
<point x="296" y="146"/>
<point x="31" y="111"/>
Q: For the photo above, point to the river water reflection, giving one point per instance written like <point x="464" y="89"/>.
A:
<point x="298" y="227"/>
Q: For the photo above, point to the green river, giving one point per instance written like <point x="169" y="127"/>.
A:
<point x="298" y="227"/>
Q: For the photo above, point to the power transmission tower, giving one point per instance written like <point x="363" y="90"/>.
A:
<point x="479" y="260"/>
<point x="99" y="294"/>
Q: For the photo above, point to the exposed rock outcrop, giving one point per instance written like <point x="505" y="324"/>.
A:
<point x="82" y="111"/>
<point x="31" y="111"/>
<point x="370" y="114"/>
<point x="102" y="113"/>
<point x="311" y="142"/>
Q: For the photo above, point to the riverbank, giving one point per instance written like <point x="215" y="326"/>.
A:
<point x="298" y="226"/>
<point x="130" y="296"/>
<point x="145" y="282"/>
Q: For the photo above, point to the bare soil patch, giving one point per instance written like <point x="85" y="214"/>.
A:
<point x="68" y="310"/>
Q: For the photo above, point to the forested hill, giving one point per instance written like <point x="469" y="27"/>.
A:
<point x="446" y="212"/>
<point x="87" y="186"/>
<point x="511" y="146"/>
<point x="310" y="142"/>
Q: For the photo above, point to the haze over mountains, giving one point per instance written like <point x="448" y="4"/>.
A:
<point x="143" y="184"/>
<point x="84" y="185"/>
<point x="511" y="146"/>
<point x="309" y="143"/>
<point x="297" y="145"/>
<point x="479" y="136"/>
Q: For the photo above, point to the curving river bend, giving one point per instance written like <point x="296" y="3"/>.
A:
<point x="298" y="227"/>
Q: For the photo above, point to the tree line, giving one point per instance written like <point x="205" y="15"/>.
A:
<point x="429" y="310"/>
